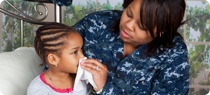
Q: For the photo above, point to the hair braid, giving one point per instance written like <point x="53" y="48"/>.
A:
<point x="50" y="39"/>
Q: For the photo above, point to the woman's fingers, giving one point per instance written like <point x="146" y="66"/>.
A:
<point x="91" y="69"/>
<point x="98" y="70"/>
<point x="90" y="65"/>
<point x="95" y="61"/>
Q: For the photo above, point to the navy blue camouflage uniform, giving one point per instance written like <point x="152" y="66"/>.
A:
<point x="164" y="74"/>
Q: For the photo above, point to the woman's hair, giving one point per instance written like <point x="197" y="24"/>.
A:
<point x="50" y="38"/>
<point x="164" y="15"/>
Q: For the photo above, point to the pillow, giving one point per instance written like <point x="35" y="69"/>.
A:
<point x="17" y="69"/>
<point x="1" y="93"/>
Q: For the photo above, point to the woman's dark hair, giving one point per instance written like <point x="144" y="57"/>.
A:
<point x="50" y="38"/>
<point x="164" y="15"/>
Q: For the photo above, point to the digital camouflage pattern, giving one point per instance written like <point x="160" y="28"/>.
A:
<point x="62" y="2"/>
<point x="164" y="74"/>
<point x="167" y="73"/>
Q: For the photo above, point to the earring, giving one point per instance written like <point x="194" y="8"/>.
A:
<point x="55" y="65"/>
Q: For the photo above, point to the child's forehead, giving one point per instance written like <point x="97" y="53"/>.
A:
<point x="74" y="36"/>
<point x="74" y="39"/>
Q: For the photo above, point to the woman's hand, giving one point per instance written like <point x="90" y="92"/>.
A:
<point x="98" y="70"/>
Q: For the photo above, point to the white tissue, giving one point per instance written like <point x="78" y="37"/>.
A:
<point x="84" y="76"/>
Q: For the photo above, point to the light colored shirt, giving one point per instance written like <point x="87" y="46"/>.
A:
<point x="39" y="86"/>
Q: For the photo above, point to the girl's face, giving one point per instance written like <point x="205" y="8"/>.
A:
<point x="130" y="31"/>
<point x="70" y="55"/>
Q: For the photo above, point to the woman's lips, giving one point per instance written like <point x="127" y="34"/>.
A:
<point x="124" y="34"/>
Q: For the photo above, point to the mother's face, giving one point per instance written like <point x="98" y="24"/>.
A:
<point x="130" y="31"/>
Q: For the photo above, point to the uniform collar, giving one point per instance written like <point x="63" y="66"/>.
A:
<point x="115" y="45"/>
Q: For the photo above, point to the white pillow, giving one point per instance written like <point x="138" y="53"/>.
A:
<point x="17" y="69"/>
<point x="1" y="93"/>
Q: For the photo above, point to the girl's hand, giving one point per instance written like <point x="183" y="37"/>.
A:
<point x="98" y="70"/>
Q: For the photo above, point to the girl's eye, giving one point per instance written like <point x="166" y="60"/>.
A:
<point x="75" y="52"/>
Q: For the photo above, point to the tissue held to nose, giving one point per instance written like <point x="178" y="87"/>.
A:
<point x="84" y="76"/>
<point x="81" y="61"/>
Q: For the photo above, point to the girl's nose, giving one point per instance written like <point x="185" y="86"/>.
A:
<point x="81" y="55"/>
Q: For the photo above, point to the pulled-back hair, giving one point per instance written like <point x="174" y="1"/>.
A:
<point x="165" y="15"/>
<point x="50" y="38"/>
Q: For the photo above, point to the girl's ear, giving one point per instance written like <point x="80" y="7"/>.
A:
<point x="53" y="59"/>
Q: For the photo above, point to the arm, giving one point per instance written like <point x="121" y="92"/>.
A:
<point x="92" y="25"/>
<point x="174" y="79"/>
<point x="81" y="27"/>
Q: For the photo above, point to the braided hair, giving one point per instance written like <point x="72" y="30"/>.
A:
<point x="50" y="38"/>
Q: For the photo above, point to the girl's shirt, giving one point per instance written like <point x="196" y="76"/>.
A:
<point x="40" y="87"/>
<point x="166" y="73"/>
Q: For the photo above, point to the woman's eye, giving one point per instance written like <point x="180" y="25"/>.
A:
<point x="128" y="14"/>
<point x="139" y="26"/>
<point x="75" y="52"/>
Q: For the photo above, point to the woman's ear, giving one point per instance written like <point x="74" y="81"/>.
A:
<point x="53" y="59"/>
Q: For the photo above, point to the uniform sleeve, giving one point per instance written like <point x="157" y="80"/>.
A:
<point x="111" y="89"/>
<point x="174" y="79"/>
<point x="89" y="27"/>
<point x="94" y="24"/>
<point x="81" y="26"/>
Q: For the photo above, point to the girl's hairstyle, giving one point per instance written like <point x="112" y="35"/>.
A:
<point x="50" y="38"/>
<point x="164" y="15"/>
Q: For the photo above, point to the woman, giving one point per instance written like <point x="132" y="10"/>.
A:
<point x="141" y="52"/>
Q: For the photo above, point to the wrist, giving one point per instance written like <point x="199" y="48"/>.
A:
<point x="97" y="92"/>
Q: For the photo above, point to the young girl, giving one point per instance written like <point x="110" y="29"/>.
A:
<point x="60" y="47"/>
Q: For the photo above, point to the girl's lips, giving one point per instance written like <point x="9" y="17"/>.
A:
<point x="124" y="34"/>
